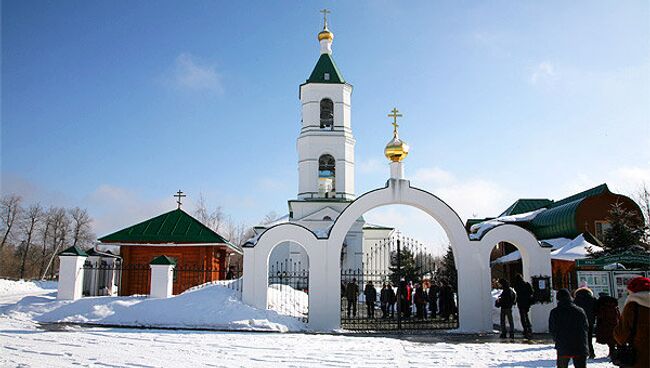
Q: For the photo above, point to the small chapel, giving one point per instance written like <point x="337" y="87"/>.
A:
<point x="199" y="254"/>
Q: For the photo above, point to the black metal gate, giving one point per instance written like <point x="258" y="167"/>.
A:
<point x="288" y="291"/>
<point x="396" y="289"/>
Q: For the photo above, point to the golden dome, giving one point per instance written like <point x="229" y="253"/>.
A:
<point x="325" y="34"/>
<point x="396" y="150"/>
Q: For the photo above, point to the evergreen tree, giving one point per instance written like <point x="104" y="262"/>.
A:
<point x="447" y="272"/>
<point x="409" y="270"/>
<point x="626" y="232"/>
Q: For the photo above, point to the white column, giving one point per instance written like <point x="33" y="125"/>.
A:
<point x="396" y="170"/>
<point x="70" y="277"/>
<point x="162" y="280"/>
<point x="249" y="278"/>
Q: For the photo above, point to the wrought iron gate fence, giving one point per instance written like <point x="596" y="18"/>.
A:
<point x="396" y="289"/>
<point x="288" y="292"/>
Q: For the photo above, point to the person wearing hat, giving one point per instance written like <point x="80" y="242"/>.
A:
<point x="636" y="312"/>
<point x="569" y="326"/>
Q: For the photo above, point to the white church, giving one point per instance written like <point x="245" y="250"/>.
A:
<point x="326" y="169"/>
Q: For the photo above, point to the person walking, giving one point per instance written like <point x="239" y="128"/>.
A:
<point x="524" y="300"/>
<point x="446" y="300"/>
<point x="371" y="297"/>
<point x="352" y="295"/>
<point x="433" y="300"/>
<point x="404" y="299"/>
<point x="505" y="301"/>
<point x="420" y="299"/>
<point x="568" y="326"/>
<point x="584" y="298"/>
<point x="635" y="320"/>
<point x="607" y="316"/>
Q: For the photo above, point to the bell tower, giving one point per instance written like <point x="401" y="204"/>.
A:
<point x="325" y="144"/>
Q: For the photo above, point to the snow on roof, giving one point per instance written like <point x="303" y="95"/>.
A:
<point x="567" y="250"/>
<point x="477" y="230"/>
<point x="555" y="243"/>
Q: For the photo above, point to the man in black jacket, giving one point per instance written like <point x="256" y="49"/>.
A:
<point x="524" y="300"/>
<point x="371" y="297"/>
<point x="584" y="298"/>
<point x="505" y="301"/>
<point x="568" y="326"/>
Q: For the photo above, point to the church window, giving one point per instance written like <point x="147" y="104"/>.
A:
<point x="326" y="76"/>
<point x="326" y="176"/>
<point x="326" y="113"/>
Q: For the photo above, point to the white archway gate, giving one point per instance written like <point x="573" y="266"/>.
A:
<point x="471" y="257"/>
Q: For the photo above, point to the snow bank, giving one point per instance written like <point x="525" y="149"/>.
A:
<point x="212" y="307"/>
<point x="288" y="301"/>
<point x="11" y="287"/>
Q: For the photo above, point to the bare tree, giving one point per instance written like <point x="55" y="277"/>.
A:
<point x="45" y="234"/>
<point x="237" y="233"/>
<point x="269" y="218"/>
<point x="215" y="220"/>
<point x="642" y="197"/>
<point x="60" y="226"/>
<point x="9" y="211"/>
<point x="32" y="217"/>
<point x="80" y="224"/>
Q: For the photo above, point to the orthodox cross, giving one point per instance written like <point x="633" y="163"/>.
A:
<point x="325" y="12"/>
<point x="395" y="115"/>
<point x="179" y="195"/>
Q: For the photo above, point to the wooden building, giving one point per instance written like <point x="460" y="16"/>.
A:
<point x="201" y="254"/>
<point x="556" y="224"/>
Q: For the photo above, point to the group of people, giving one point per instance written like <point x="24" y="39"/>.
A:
<point x="424" y="300"/>
<point x="577" y="318"/>
<point x="573" y="322"/>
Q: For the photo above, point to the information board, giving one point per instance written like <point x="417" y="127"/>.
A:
<point x="597" y="281"/>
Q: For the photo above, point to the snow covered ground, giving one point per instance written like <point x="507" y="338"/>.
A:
<point x="23" y="343"/>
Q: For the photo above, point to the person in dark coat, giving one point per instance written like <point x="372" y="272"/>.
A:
<point x="433" y="300"/>
<point x="446" y="300"/>
<point x="352" y="295"/>
<point x="607" y="316"/>
<point x="420" y="299"/>
<point x="392" y="299"/>
<point x="524" y="300"/>
<point x="637" y="303"/>
<point x="383" y="300"/>
<point x="584" y="298"/>
<point x="505" y="301"/>
<point x="371" y="297"/>
<point x="404" y="299"/>
<point x="568" y="326"/>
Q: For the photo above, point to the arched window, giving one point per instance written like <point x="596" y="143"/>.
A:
<point x="326" y="113"/>
<point x="326" y="176"/>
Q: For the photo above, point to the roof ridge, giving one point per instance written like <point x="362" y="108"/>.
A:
<point x="581" y="195"/>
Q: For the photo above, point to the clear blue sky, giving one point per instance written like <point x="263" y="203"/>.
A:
<point x="114" y="106"/>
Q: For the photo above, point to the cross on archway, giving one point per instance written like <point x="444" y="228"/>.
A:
<point x="179" y="195"/>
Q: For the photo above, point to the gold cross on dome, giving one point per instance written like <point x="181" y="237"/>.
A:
<point x="395" y="115"/>
<point x="325" y="12"/>
<point x="179" y="195"/>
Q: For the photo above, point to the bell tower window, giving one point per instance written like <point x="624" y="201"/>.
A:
<point x="326" y="176"/>
<point x="326" y="113"/>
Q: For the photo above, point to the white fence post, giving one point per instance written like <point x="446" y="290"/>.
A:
<point x="71" y="275"/>
<point x="162" y="277"/>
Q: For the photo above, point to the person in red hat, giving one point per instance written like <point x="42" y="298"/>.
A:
<point x="636" y="313"/>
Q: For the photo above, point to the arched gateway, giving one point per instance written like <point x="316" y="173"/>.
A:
<point x="471" y="257"/>
<point x="326" y="192"/>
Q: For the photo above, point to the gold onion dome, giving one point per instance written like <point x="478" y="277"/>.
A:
<point x="325" y="34"/>
<point x="396" y="150"/>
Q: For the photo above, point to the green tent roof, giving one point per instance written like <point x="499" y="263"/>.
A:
<point x="326" y="65"/>
<point x="526" y="205"/>
<point x="74" y="251"/>
<point x="163" y="260"/>
<point x="172" y="227"/>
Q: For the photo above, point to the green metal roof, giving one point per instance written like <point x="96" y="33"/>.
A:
<point x="326" y="65"/>
<point x="559" y="220"/>
<point x="526" y="205"/>
<point x="74" y="251"/>
<point x="172" y="227"/>
<point x="163" y="260"/>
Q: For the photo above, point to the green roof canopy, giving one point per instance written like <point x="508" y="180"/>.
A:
<point x="526" y="205"/>
<point x="172" y="227"/>
<point x="326" y="65"/>
<point x="74" y="251"/>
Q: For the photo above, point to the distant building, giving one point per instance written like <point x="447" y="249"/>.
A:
<point x="568" y="226"/>
<point x="201" y="254"/>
